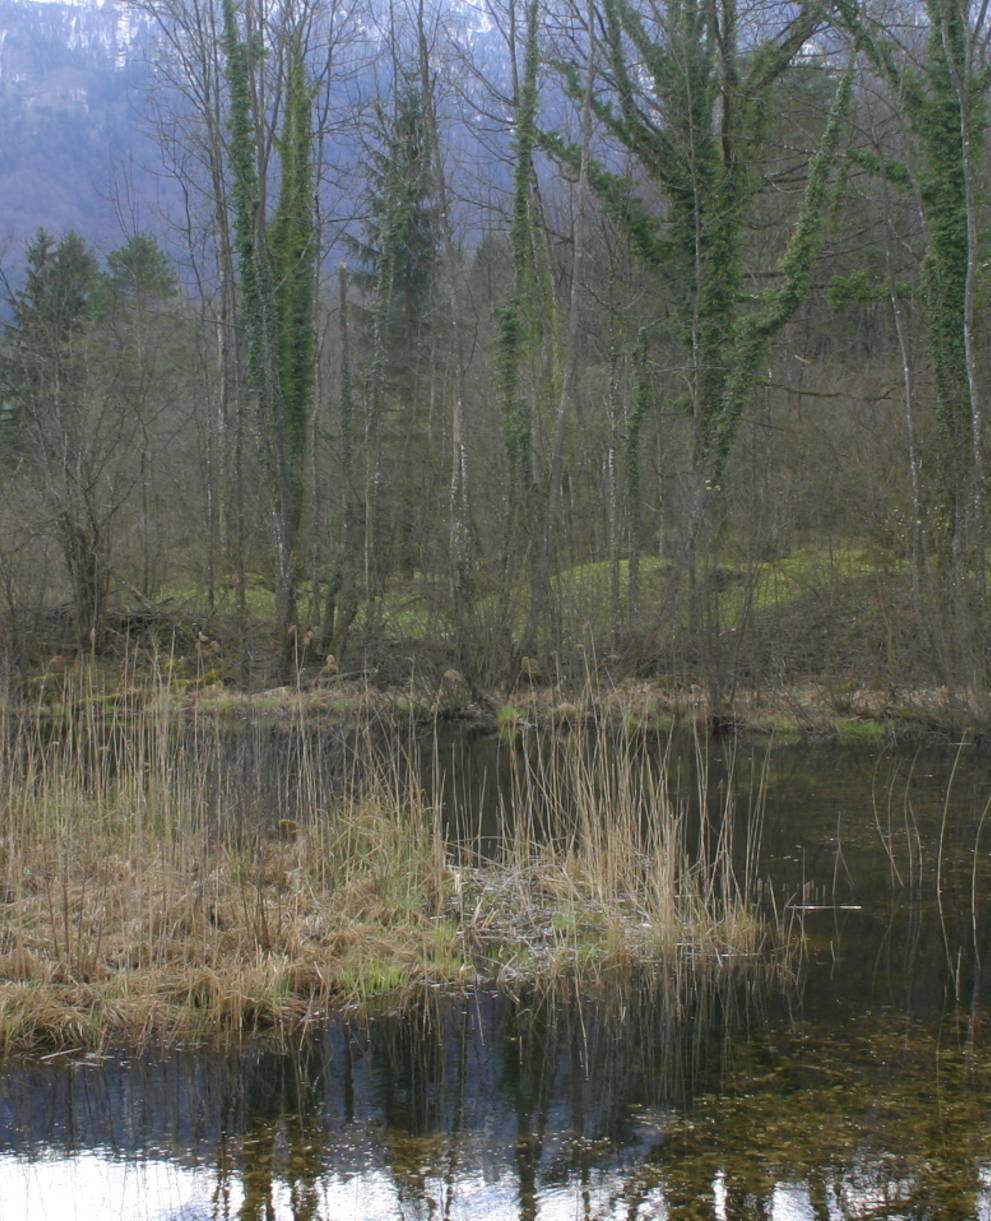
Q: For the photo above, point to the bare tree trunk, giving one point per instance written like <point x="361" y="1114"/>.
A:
<point x="84" y="548"/>
<point x="341" y="603"/>
<point x="551" y="524"/>
<point x="612" y="498"/>
<point x="908" y="399"/>
<point x="640" y="401"/>
<point x="460" y="542"/>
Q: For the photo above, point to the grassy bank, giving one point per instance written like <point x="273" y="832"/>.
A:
<point x="154" y="884"/>
<point x="845" y="709"/>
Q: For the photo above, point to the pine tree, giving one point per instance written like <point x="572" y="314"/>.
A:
<point x="398" y="257"/>
<point x="142" y="336"/>
<point x="44" y="375"/>
<point x="140" y="272"/>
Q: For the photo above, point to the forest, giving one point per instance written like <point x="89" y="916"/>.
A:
<point x="527" y="341"/>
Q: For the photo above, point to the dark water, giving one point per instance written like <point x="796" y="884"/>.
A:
<point x="856" y="1086"/>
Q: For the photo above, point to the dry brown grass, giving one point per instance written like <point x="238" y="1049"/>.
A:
<point x="604" y="865"/>
<point x="143" y="895"/>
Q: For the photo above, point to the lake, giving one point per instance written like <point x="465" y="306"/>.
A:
<point x="852" y="1080"/>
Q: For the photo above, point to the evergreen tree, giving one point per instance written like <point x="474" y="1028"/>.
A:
<point x="54" y="304"/>
<point x="44" y="373"/>
<point x="398" y="255"/>
<point x="142" y="336"/>
<point x="140" y="271"/>
<point x="398" y="250"/>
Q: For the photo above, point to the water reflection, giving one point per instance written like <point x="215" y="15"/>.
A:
<point x="520" y="1109"/>
<point x="857" y="1087"/>
<point x="521" y="1106"/>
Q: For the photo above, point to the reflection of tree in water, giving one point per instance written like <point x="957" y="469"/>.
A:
<point x="439" y="1107"/>
<point x="553" y="1093"/>
<point x="416" y="1088"/>
<point x="282" y="1137"/>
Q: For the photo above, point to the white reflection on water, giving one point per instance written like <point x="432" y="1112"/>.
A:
<point x="97" y="1187"/>
<point x="92" y="1187"/>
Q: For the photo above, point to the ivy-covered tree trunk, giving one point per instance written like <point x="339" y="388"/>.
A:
<point x="689" y="99"/>
<point x="191" y="62"/>
<point x="293" y="245"/>
<point x="462" y="558"/>
<point x="942" y="95"/>
<point x="516" y="329"/>
<point x="275" y="264"/>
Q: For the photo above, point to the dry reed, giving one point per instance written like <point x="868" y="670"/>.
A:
<point x="152" y="886"/>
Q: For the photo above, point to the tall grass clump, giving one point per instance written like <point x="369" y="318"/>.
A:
<point x="603" y="861"/>
<point x="160" y="874"/>
<point x="164" y="873"/>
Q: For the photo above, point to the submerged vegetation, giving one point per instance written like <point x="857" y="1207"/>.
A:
<point x="166" y="876"/>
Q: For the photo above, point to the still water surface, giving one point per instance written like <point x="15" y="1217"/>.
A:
<point x="857" y="1086"/>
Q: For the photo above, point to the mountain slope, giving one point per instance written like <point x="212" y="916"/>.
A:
<point x="71" y="81"/>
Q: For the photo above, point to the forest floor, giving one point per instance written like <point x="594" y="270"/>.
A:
<point x="840" y="707"/>
<point x="810" y="643"/>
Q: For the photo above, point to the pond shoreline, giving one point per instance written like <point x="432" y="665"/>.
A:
<point x="835" y="710"/>
<point x="857" y="716"/>
<point x="141" y="905"/>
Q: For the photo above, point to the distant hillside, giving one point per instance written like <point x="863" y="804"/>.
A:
<point x="78" y="152"/>
<point x="70" y="112"/>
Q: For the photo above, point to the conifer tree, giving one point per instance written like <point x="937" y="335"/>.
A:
<point x="44" y="374"/>
<point x="143" y="337"/>
<point x="82" y="367"/>
<point x="398" y="256"/>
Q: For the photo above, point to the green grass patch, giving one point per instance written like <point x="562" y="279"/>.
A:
<point x="778" y="728"/>
<point x="856" y="730"/>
